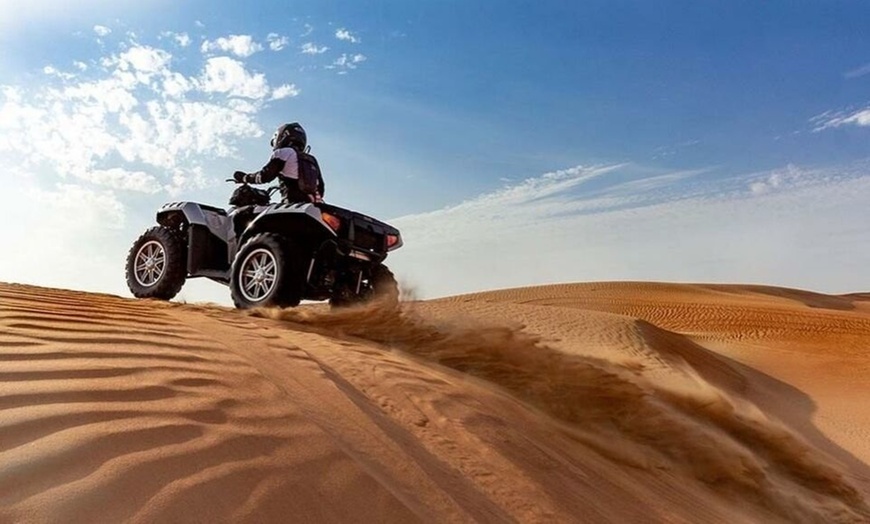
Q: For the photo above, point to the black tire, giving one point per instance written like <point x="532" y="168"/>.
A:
<point x="157" y="264"/>
<point x="381" y="285"/>
<point x="280" y="286"/>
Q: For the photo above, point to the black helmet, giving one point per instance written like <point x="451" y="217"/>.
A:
<point x="290" y="135"/>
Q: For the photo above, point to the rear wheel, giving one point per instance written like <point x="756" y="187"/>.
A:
<point x="157" y="264"/>
<point x="383" y="285"/>
<point x="267" y="272"/>
<point x="380" y="285"/>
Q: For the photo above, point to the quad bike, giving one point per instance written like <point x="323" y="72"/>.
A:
<point x="269" y="254"/>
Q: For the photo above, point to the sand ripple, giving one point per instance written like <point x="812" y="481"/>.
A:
<point x="589" y="402"/>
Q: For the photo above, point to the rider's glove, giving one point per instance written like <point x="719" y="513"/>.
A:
<point x="239" y="176"/>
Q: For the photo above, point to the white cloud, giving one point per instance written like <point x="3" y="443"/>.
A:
<point x="145" y="60"/>
<point x="81" y="66"/>
<point x="310" y="48"/>
<point x="173" y="133"/>
<point x="239" y="45"/>
<point x="277" y="42"/>
<point x="136" y="123"/>
<point x="759" y="188"/>
<point x="308" y="30"/>
<point x="86" y="205"/>
<point x="51" y="71"/>
<point x="112" y="95"/>
<point x="346" y="62"/>
<point x="789" y="176"/>
<point x="344" y="34"/>
<point x="792" y="227"/>
<point x="830" y="120"/>
<point x="118" y="178"/>
<point x="175" y="85"/>
<point x="285" y="91"/>
<point x="858" y="118"/>
<point x="225" y="75"/>
<point x="182" y="39"/>
<point x="102" y="30"/>
<point x="64" y="128"/>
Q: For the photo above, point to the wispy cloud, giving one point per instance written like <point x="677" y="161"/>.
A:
<point x="277" y="42"/>
<point x="102" y="30"/>
<point x="858" y="72"/>
<point x="673" y="150"/>
<point x="182" y="39"/>
<point x="789" y="176"/>
<point x="285" y="91"/>
<point x="52" y="71"/>
<point x="624" y="222"/>
<point x="239" y="45"/>
<point x="346" y="62"/>
<point x="344" y="34"/>
<point x="834" y="119"/>
<point x="119" y="178"/>
<point x="310" y="48"/>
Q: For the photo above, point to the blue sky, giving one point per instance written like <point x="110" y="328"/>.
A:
<point x="461" y="121"/>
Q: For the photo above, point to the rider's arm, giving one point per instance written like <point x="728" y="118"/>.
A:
<point x="267" y="174"/>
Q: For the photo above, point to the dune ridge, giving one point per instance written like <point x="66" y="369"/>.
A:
<point x="583" y="402"/>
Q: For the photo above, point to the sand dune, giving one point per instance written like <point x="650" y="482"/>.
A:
<point x="600" y="402"/>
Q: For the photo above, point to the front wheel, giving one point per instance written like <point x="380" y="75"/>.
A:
<point x="157" y="264"/>
<point x="267" y="272"/>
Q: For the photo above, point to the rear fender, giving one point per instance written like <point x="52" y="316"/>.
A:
<point x="301" y="222"/>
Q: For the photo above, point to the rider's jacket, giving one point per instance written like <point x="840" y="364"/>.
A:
<point x="285" y="166"/>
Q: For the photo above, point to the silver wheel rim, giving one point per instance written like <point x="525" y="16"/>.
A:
<point x="258" y="275"/>
<point x="150" y="263"/>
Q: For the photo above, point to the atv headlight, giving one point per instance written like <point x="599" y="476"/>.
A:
<point x="331" y="220"/>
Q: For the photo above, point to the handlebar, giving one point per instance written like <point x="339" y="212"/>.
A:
<point x="271" y="190"/>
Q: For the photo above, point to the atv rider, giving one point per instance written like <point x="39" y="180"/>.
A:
<point x="288" y="144"/>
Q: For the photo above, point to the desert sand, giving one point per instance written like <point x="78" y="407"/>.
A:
<point x="597" y="402"/>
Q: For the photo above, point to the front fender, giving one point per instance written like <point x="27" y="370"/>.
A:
<point x="191" y="213"/>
